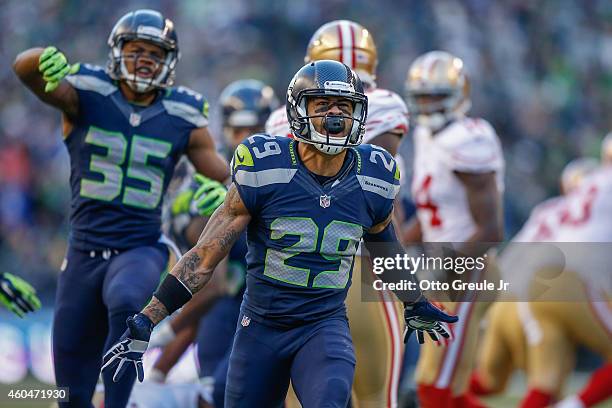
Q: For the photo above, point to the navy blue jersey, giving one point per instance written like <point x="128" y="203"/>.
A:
<point x="303" y="235"/>
<point x="122" y="159"/>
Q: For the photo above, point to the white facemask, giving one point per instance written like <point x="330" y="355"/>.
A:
<point x="319" y="137"/>
<point x="142" y="85"/>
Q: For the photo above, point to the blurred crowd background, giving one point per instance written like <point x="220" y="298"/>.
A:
<point x="541" y="72"/>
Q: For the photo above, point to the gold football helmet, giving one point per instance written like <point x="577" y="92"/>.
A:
<point x="606" y="150"/>
<point x="347" y="42"/>
<point x="437" y="89"/>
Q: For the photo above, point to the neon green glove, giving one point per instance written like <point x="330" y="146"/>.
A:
<point x="54" y="67"/>
<point x="17" y="295"/>
<point x="182" y="202"/>
<point x="209" y="195"/>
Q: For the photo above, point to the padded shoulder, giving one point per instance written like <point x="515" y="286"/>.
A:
<point x="262" y="160"/>
<point x="260" y="163"/>
<point x="472" y="146"/>
<point x="187" y="104"/>
<point x="387" y="112"/>
<point x="377" y="171"/>
<point x="92" y="78"/>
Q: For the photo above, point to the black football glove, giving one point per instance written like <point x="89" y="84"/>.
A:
<point x="423" y="317"/>
<point x="130" y="348"/>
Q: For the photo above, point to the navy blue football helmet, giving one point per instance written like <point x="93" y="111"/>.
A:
<point x="247" y="103"/>
<point x="145" y="25"/>
<point x="325" y="78"/>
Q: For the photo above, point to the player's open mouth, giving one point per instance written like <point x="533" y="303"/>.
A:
<point x="144" y="72"/>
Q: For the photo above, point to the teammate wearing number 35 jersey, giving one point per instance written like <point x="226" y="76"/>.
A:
<point x="305" y="203"/>
<point x="125" y="129"/>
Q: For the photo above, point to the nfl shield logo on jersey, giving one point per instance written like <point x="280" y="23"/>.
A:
<point x="134" y="119"/>
<point x="324" y="201"/>
<point x="245" y="321"/>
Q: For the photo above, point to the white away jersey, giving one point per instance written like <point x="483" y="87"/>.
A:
<point x="277" y="123"/>
<point x="387" y="112"/>
<point x="468" y="146"/>
<point x="543" y="222"/>
<point x="586" y="215"/>
<point x="579" y="226"/>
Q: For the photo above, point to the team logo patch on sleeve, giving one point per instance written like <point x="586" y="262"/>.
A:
<point x="242" y="156"/>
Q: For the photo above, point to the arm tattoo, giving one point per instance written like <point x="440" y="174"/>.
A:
<point x="229" y="235"/>
<point x="155" y="311"/>
<point x="188" y="271"/>
<point x="227" y="239"/>
<point x="196" y="267"/>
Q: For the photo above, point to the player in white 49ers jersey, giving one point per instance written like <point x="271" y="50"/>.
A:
<point x="457" y="186"/>
<point x="514" y="328"/>
<point x="445" y="165"/>
<point x="375" y="326"/>
<point x="545" y="219"/>
<point x="577" y="309"/>
<point x="587" y="217"/>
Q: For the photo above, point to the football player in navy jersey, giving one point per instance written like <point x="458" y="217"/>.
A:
<point x="125" y="128"/>
<point x="306" y="203"/>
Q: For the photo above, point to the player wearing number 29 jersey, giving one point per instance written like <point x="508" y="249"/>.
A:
<point x="379" y="355"/>
<point x="302" y="241"/>
<point x="305" y="203"/>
